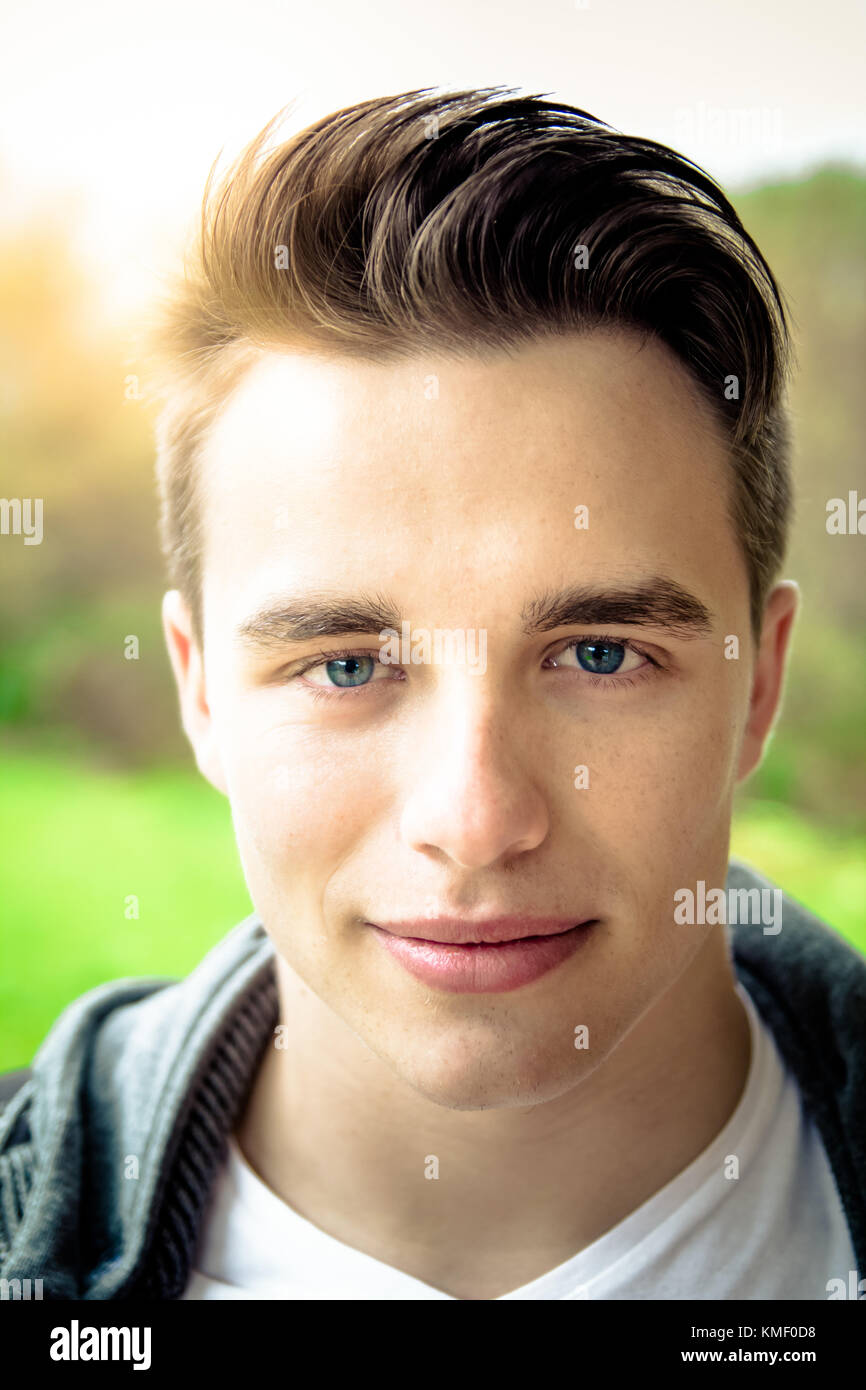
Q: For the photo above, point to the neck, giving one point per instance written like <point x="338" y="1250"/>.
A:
<point x="337" y="1134"/>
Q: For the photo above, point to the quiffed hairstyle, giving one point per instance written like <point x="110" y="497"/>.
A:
<point x="453" y="221"/>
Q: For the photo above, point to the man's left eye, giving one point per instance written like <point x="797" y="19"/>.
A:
<point x="600" y="658"/>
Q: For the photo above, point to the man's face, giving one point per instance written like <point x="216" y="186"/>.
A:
<point x="448" y="491"/>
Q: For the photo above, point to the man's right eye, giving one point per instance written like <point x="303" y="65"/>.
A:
<point x="339" y="672"/>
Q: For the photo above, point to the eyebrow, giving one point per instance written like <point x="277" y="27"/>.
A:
<point x="317" y="614"/>
<point x="655" y="602"/>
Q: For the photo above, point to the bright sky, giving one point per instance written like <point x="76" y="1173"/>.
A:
<point x="119" y="110"/>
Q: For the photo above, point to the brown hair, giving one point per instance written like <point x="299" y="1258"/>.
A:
<point x="453" y="221"/>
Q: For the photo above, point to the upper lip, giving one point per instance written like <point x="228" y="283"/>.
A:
<point x="465" y="931"/>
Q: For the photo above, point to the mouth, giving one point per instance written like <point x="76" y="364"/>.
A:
<point x="489" y="931"/>
<point x="490" y="957"/>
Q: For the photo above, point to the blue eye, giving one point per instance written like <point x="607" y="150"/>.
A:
<point x="601" y="658"/>
<point x="350" y="670"/>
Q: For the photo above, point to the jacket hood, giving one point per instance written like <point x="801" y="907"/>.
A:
<point x="128" y="1069"/>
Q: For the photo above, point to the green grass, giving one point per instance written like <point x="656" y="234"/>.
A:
<point x="818" y="866"/>
<point x="76" y="842"/>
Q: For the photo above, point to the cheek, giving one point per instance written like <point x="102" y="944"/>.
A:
<point x="300" y="801"/>
<point x="662" y="782"/>
<point x="698" y="768"/>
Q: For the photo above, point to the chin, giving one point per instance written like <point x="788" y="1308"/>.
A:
<point x="466" y="1074"/>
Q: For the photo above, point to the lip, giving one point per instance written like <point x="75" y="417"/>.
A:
<point x="490" y="957"/>
<point x="463" y="931"/>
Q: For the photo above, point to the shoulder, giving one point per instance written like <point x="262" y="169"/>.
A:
<point x="124" y="1070"/>
<point x="793" y="954"/>
<point x="809" y="986"/>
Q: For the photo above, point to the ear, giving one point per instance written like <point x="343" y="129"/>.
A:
<point x="768" y="675"/>
<point x="188" y="665"/>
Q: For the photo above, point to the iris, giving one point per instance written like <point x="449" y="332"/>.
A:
<point x="601" y="658"/>
<point x="351" y="670"/>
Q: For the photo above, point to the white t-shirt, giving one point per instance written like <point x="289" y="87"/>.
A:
<point x="776" y="1231"/>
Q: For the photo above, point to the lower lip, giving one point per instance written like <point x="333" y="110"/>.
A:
<point x="483" y="967"/>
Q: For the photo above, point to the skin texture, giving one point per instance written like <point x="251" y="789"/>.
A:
<point x="451" y="486"/>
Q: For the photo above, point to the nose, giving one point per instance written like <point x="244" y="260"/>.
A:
<point x="472" y="794"/>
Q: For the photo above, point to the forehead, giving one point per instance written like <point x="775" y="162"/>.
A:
<point x="347" y="472"/>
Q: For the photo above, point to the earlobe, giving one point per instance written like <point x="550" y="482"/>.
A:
<point x="768" y="676"/>
<point x="188" y="667"/>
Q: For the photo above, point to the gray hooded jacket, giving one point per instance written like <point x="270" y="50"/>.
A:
<point x="109" y="1150"/>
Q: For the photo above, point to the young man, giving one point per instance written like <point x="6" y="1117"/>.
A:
<point x="475" y="481"/>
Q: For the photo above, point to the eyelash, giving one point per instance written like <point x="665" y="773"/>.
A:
<point x="599" y="681"/>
